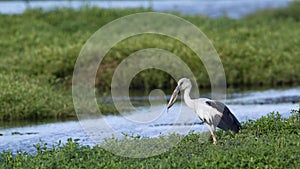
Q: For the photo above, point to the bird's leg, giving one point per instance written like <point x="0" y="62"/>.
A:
<point x="213" y="134"/>
<point x="214" y="137"/>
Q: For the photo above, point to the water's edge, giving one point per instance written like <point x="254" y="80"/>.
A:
<point x="230" y="8"/>
<point x="147" y="122"/>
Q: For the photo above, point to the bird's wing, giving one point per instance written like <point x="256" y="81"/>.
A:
<point x="228" y="121"/>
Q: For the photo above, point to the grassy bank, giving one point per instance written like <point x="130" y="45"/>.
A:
<point x="40" y="48"/>
<point x="50" y="43"/>
<point x="24" y="97"/>
<point x="269" y="142"/>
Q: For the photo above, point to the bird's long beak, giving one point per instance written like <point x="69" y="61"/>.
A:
<point x="174" y="97"/>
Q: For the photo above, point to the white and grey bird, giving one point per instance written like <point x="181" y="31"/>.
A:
<point x="213" y="113"/>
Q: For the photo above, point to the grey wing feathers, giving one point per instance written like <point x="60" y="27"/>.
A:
<point x="228" y="120"/>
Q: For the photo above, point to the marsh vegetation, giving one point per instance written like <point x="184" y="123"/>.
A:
<point x="38" y="50"/>
<point x="38" y="56"/>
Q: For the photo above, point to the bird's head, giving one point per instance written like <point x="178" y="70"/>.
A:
<point x="182" y="84"/>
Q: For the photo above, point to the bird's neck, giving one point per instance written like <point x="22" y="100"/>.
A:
<point x="187" y="99"/>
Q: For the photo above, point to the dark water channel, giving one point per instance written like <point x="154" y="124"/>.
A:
<point x="179" y="119"/>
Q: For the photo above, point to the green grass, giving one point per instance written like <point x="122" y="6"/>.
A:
<point x="258" y="50"/>
<point x="50" y="43"/>
<point x="269" y="142"/>
<point x="25" y="97"/>
<point x="29" y="98"/>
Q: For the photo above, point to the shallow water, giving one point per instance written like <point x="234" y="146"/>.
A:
<point x="146" y="122"/>
<point x="212" y="8"/>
